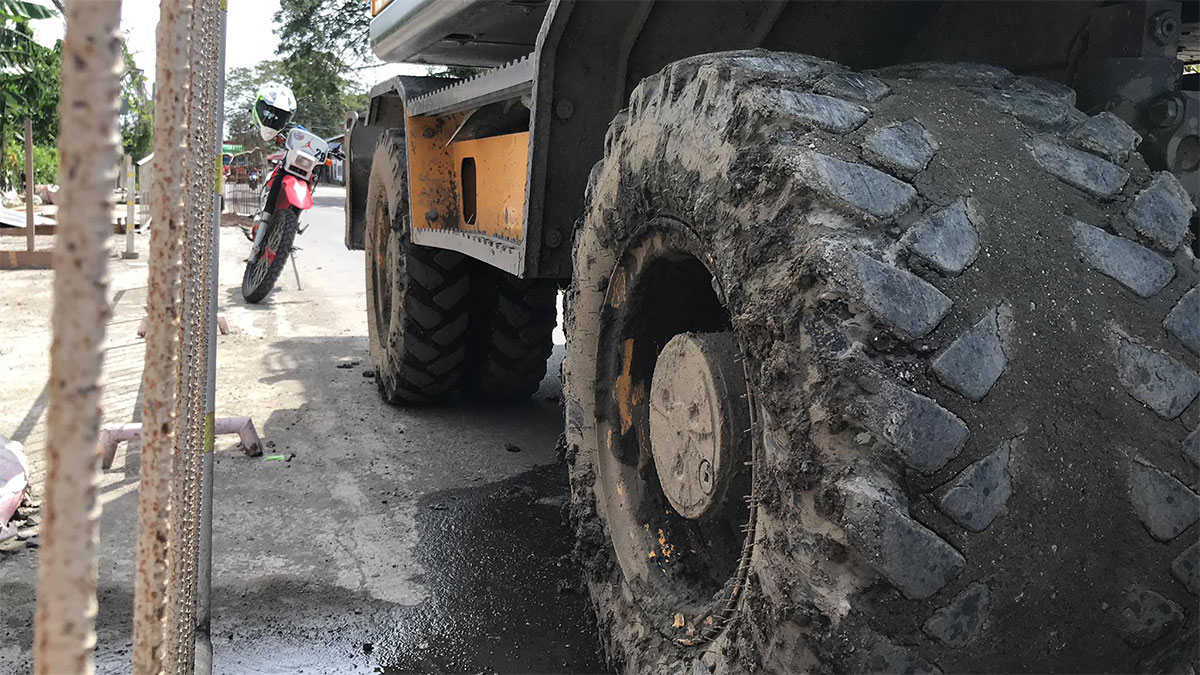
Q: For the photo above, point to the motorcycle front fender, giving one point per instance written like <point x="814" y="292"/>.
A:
<point x="294" y="192"/>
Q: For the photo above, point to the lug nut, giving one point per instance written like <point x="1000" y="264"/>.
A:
<point x="1164" y="28"/>
<point x="1164" y="112"/>
<point x="706" y="475"/>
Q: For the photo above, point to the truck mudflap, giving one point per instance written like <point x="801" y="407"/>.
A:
<point x="360" y="150"/>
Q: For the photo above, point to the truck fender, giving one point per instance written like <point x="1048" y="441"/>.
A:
<point x="359" y="146"/>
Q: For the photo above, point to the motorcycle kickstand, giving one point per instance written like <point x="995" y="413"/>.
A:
<point x="295" y="270"/>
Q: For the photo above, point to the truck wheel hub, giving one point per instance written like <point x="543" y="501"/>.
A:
<point x="698" y="421"/>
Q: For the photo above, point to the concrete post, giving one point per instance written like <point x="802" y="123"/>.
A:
<point x="30" y="230"/>
<point x="130" y="208"/>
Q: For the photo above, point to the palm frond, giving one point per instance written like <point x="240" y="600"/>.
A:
<point x="24" y="10"/>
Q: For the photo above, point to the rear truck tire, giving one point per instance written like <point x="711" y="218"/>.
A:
<point x="261" y="273"/>
<point x="418" y="304"/>
<point x="966" y="319"/>
<point x="513" y="325"/>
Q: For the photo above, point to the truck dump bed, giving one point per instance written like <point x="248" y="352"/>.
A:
<point x="456" y="32"/>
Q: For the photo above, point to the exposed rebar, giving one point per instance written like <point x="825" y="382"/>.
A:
<point x="162" y="338"/>
<point x="203" y="637"/>
<point x="64" y="633"/>
<point x="193" y="341"/>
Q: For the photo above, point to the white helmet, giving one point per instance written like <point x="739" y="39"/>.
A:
<point x="273" y="109"/>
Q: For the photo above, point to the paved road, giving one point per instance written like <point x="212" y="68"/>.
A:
<point x="393" y="541"/>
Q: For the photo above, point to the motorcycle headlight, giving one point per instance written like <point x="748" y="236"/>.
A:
<point x="304" y="162"/>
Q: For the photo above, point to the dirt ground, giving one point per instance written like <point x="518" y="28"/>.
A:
<point x="392" y="540"/>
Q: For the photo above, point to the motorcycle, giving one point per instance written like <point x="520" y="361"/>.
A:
<point x="287" y="191"/>
<point x="252" y="179"/>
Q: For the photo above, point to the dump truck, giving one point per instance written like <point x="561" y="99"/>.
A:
<point x="881" y="318"/>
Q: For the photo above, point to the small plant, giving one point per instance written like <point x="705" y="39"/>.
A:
<point x="45" y="165"/>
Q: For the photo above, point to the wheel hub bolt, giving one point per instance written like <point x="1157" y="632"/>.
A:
<point x="706" y="476"/>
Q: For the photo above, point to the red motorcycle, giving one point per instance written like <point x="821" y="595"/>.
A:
<point x="287" y="191"/>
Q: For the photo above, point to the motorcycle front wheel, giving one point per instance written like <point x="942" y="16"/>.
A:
<point x="265" y="265"/>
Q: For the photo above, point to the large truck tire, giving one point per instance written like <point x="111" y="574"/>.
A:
<point x="512" y="334"/>
<point x="418" y="304"/>
<point x="889" y="372"/>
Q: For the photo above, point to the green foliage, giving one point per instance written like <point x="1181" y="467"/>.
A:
<point x="33" y="92"/>
<point x="29" y="88"/>
<point x="321" y="90"/>
<point x="458" y="72"/>
<point x="137" y="110"/>
<point x="314" y="37"/>
<point x="329" y="26"/>
<point x="16" y="39"/>
<point x="45" y="165"/>
<point x="241" y="89"/>
<point x="24" y="10"/>
<point x="319" y="40"/>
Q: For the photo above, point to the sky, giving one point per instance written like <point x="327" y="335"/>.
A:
<point x="250" y="38"/>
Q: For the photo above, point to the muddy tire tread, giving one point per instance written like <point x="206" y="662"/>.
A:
<point x="918" y="314"/>
<point x="514" y="325"/>
<point x="421" y="360"/>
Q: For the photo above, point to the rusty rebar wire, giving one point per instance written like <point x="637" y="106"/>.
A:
<point x="163" y="310"/>
<point x="64" y="629"/>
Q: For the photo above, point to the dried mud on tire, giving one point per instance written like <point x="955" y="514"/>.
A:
<point x="970" y="319"/>
<point x="512" y="334"/>
<point x="418" y="304"/>
<point x="440" y="323"/>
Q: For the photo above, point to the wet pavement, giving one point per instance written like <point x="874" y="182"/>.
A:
<point x="503" y="597"/>
<point x="394" y="541"/>
<point x="505" y="594"/>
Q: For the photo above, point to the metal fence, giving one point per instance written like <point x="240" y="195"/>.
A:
<point x="242" y="199"/>
<point x="172" y="579"/>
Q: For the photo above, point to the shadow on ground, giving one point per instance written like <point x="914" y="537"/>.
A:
<point x="461" y="506"/>
<point x="394" y="540"/>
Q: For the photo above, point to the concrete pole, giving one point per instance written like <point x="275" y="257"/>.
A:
<point x="130" y="208"/>
<point x="30" y="230"/>
<point x="163" y="310"/>
<point x="64" y="630"/>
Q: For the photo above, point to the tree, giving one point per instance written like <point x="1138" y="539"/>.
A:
<point x="137" y="110"/>
<point x="33" y="91"/>
<point x="317" y="39"/>
<point x="337" y="27"/>
<point x="322" y="96"/>
<point x="241" y="88"/>
<point x="322" y="93"/>
<point x="311" y="50"/>
<point x="16" y="39"/>
<point x="28" y="83"/>
<point x="329" y="26"/>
